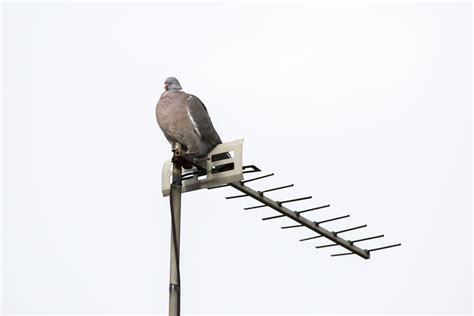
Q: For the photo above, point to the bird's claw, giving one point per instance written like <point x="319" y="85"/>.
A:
<point x="186" y="159"/>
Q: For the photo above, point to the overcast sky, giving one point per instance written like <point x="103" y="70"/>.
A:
<point x="363" y="106"/>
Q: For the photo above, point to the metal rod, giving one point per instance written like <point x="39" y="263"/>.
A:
<point x="278" y="188"/>
<point x="375" y="249"/>
<point x="353" y="241"/>
<point x="325" y="246"/>
<point x="349" y="229"/>
<point x="279" y="202"/>
<point x="292" y="226"/>
<point x="332" y="219"/>
<point x="368" y="238"/>
<point x="252" y="207"/>
<point x="312" y="209"/>
<point x="342" y="254"/>
<point x="297" y="213"/>
<point x="314" y="237"/>
<point x="294" y="200"/>
<point x="300" y="219"/>
<point x="272" y="217"/>
<point x="258" y="178"/>
<point x="253" y="167"/>
<point x="175" y="279"/>
<point x="235" y="196"/>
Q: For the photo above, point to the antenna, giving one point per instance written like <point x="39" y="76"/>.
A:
<point x="213" y="173"/>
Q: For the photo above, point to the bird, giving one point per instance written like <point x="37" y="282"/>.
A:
<point x="186" y="123"/>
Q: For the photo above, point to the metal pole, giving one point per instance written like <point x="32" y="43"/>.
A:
<point x="175" y="205"/>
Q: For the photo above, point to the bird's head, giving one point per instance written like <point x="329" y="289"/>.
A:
<point x="172" y="83"/>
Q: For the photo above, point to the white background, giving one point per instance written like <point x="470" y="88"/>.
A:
<point x="366" y="107"/>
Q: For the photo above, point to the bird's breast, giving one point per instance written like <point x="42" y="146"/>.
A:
<point x="172" y="115"/>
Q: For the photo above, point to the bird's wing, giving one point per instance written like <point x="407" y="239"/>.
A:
<point x="201" y="121"/>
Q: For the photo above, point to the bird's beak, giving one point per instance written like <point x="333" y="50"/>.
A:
<point x="166" y="86"/>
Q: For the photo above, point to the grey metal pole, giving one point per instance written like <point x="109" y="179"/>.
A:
<point x="175" y="205"/>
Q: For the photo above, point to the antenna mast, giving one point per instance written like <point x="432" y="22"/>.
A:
<point x="213" y="173"/>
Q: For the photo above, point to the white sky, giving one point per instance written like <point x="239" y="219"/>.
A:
<point x="366" y="107"/>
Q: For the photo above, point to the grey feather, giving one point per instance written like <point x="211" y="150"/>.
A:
<point x="201" y="121"/>
<point x="184" y="120"/>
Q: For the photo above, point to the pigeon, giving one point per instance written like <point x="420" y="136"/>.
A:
<point x="185" y="122"/>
